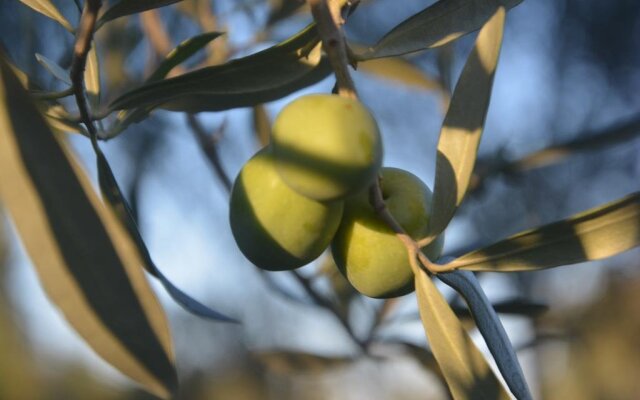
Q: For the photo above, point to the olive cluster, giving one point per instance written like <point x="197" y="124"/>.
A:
<point x="308" y="190"/>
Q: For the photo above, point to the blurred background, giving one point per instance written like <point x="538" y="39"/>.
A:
<point x="561" y="137"/>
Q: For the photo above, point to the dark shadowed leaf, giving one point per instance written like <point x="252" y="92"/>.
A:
<point x="178" y="55"/>
<point x="128" y="7"/>
<point x="55" y="70"/>
<point x="113" y="195"/>
<point x="489" y="325"/>
<point x="47" y="8"/>
<point x="463" y="366"/>
<point x="288" y="362"/>
<point x="515" y="306"/>
<point x="84" y="257"/>
<point x="265" y="76"/>
<point x="463" y="124"/>
<point x="595" y="234"/>
<point x="181" y="53"/>
<point x="438" y="24"/>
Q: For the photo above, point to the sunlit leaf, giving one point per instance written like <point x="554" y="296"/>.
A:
<point x="463" y="366"/>
<point x="113" y="195"/>
<point x="128" y="7"/>
<point x="288" y="362"/>
<point x="85" y="259"/>
<point x="397" y="70"/>
<point x="438" y="24"/>
<point x="53" y="68"/>
<point x="595" y="234"/>
<point x="489" y="325"/>
<point x="47" y="8"/>
<point x="265" y="76"/>
<point x="92" y="77"/>
<point x="463" y="124"/>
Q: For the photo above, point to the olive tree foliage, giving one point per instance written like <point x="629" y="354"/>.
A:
<point x="91" y="258"/>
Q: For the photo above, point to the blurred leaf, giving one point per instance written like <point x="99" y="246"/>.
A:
<point x="489" y="325"/>
<point x="401" y="71"/>
<point x="288" y="362"/>
<point x="181" y="53"/>
<point x="463" y="124"/>
<point x="128" y="7"/>
<point x="92" y="78"/>
<point x="281" y="9"/>
<point x="47" y="8"/>
<point x="85" y="260"/>
<point x="60" y="73"/>
<point x="58" y="118"/>
<point x="265" y="76"/>
<point x="261" y="125"/>
<point x="438" y="24"/>
<point x="597" y="233"/>
<point x="113" y="195"/>
<point x="465" y="369"/>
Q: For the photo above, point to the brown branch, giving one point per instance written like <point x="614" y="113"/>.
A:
<point x="84" y="37"/>
<point x="208" y="145"/>
<point x="326" y="13"/>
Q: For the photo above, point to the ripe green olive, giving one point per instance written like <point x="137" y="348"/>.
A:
<point x="367" y="251"/>
<point x="275" y="227"/>
<point x="326" y="147"/>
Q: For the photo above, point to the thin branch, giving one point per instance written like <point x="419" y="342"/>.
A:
<point x="208" y="145"/>
<point x="84" y="37"/>
<point x="326" y="13"/>
<point x="321" y="301"/>
<point x="617" y="133"/>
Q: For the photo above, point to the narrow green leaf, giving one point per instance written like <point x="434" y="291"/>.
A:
<point x="113" y="195"/>
<point x="595" y="234"/>
<point x="463" y="366"/>
<point x="288" y="362"/>
<point x="128" y="7"/>
<point x="489" y="325"/>
<point x="92" y="77"/>
<point x="84" y="257"/>
<point x="48" y="9"/>
<point x="265" y="76"/>
<point x="60" y="73"/>
<point x="181" y="53"/>
<point x="465" y="369"/>
<point x="463" y="124"/>
<point x="438" y="24"/>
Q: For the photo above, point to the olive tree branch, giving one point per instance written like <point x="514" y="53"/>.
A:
<point x="84" y="37"/>
<point x="326" y="13"/>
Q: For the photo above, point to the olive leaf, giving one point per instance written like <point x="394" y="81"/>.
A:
<point x="264" y="76"/>
<point x="56" y="70"/>
<point x="181" y="53"/>
<point x="128" y="7"/>
<point x="595" y="234"/>
<point x="82" y="254"/>
<point x="175" y="57"/>
<point x="113" y="195"/>
<point x="92" y="77"/>
<point x="286" y="362"/>
<point x="463" y="366"/>
<point x="514" y="306"/>
<point x="400" y="71"/>
<point x="489" y="325"/>
<point x="47" y="8"/>
<point x="463" y="125"/>
<point x="438" y="24"/>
